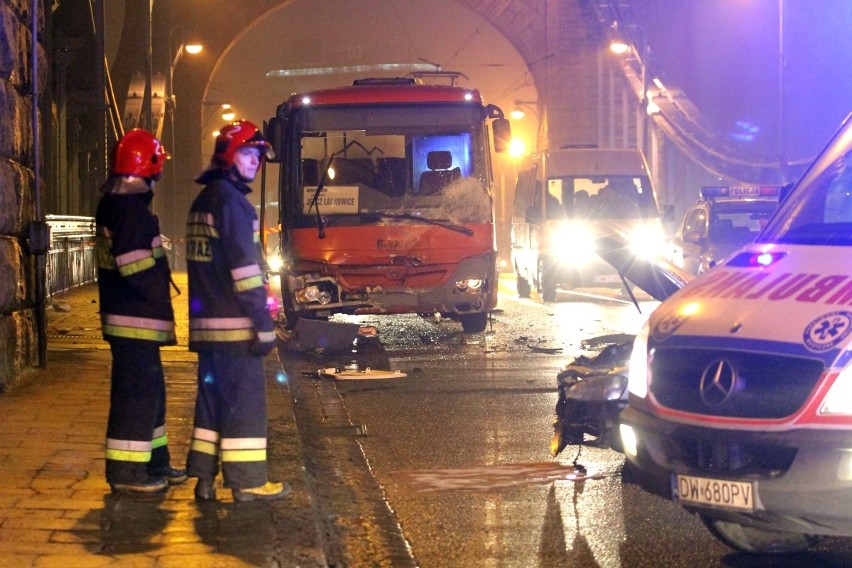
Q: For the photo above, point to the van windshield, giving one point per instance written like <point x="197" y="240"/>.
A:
<point x="819" y="209"/>
<point x="600" y="197"/>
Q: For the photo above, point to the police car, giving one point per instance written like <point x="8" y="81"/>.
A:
<point x="723" y="220"/>
<point x="740" y="383"/>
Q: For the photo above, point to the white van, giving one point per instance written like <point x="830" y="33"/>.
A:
<point x="740" y="405"/>
<point x="560" y="196"/>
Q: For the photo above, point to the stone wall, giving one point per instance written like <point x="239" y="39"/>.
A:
<point x="18" y="349"/>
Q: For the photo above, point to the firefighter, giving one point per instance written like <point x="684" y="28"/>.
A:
<point x="136" y="317"/>
<point x="229" y="325"/>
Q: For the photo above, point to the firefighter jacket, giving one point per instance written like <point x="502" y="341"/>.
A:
<point x="133" y="272"/>
<point x="227" y="284"/>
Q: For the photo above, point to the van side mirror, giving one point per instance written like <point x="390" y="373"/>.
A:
<point x="501" y="130"/>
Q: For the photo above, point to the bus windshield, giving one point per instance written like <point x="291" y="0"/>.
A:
<point x="396" y="174"/>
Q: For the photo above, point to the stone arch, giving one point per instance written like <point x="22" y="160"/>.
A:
<point x="582" y="99"/>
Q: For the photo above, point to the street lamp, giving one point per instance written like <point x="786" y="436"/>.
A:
<point x="193" y="47"/>
<point x="640" y="51"/>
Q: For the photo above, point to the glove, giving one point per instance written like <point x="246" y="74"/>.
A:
<point x="263" y="344"/>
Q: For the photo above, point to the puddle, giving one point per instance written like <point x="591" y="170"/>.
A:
<point x="491" y="477"/>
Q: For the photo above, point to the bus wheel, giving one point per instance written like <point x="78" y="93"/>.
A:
<point x="524" y="287"/>
<point x="474" y="323"/>
<point x="546" y="282"/>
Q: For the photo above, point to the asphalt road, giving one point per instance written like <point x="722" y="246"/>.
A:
<point x="450" y="465"/>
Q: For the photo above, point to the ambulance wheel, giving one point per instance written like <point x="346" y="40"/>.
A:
<point x="524" y="288"/>
<point x="755" y="540"/>
<point x="474" y="323"/>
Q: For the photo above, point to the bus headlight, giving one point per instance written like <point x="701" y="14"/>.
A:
<point x="310" y="294"/>
<point x="637" y="381"/>
<point x="471" y="285"/>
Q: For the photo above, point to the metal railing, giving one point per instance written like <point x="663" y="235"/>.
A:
<point x="71" y="258"/>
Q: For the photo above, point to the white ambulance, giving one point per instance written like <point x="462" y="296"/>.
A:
<point x="740" y="405"/>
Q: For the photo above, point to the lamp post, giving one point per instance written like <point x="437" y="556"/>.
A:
<point x="518" y="113"/>
<point x="641" y="51"/>
<point x="192" y="47"/>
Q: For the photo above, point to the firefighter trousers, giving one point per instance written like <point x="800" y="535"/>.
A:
<point x="136" y="445"/>
<point x="230" y="420"/>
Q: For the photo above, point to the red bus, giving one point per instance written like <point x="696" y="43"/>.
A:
<point x="385" y="201"/>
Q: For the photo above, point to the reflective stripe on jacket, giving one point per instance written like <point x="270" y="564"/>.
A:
<point x="227" y="292"/>
<point x="133" y="272"/>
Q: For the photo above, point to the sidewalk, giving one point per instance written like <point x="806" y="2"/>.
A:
<point x="56" y="509"/>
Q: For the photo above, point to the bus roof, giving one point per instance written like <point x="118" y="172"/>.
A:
<point x="385" y="91"/>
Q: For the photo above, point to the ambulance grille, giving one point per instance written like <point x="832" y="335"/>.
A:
<point x="749" y="385"/>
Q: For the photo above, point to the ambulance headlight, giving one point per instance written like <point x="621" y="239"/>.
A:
<point x="637" y="382"/>
<point x="647" y="241"/>
<point x="629" y="440"/>
<point x="839" y="397"/>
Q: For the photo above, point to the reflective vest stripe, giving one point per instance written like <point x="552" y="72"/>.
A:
<point x="132" y="445"/>
<point x="132" y="327"/>
<point x="201" y="225"/>
<point x="243" y="455"/>
<point x="266" y="336"/>
<point x="128" y="456"/>
<point x="159" y="252"/>
<point x="136" y="333"/>
<point x="206" y="435"/>
<point x="159" y="442"/>
<point x="220" y="323"/>
<point x="159" y="431"/>
<point x="248" y="283"/>
<point x="221" y="335"/>
<point x="204" y="447"/>
<point x="247" y="277"/>
<point x="137" y="321"/>
<point x="243" y="443"/>
<point x="128" y="450"/>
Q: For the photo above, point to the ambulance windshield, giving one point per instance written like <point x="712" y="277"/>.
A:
<point x="819" y="209"/>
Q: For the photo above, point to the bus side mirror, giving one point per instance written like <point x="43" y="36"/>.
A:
<point x="274" y="133"/>
<point x="501" y="130"/>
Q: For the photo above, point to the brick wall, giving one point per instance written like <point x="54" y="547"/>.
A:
<point x="18" y="348"/>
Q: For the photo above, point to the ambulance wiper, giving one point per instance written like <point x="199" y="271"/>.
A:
<point x="427" y="220"/>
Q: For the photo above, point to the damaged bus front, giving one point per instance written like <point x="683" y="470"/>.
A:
<point x="385" y="201"/>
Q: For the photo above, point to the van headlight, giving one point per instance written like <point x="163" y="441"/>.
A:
<point x="647" y="241"/>
<point x="839" y="397"/>
<point x="637" y="382"/>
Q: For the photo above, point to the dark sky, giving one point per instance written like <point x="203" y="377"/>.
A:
<point x="724" y="54"/>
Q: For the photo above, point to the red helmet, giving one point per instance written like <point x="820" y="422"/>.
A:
<point x="139" y="153"/>
<point x="234" y="136"/>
